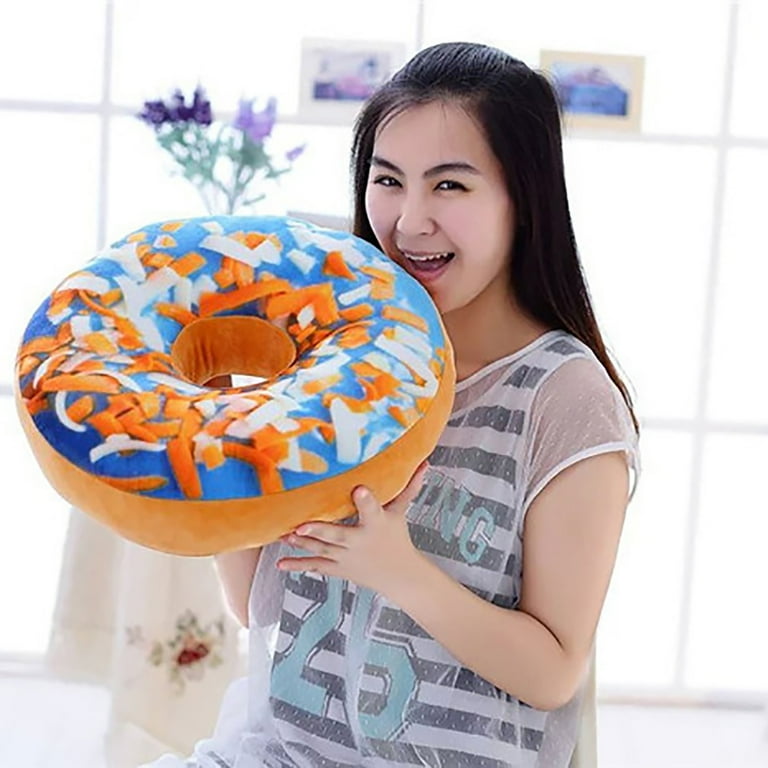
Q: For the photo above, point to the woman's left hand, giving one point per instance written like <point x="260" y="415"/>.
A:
<point x="375" y="553"/>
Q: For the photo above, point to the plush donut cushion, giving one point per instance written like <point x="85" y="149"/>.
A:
<point x="355" y="381"/>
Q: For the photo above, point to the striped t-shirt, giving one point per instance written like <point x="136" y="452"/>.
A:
<point x="342" y="677"/>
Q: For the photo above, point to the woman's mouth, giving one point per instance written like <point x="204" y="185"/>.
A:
<point x="427" y="266"/>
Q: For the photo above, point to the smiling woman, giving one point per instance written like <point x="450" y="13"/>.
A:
<point x="438" y="204"/>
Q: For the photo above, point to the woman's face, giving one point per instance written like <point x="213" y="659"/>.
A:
<point x="439" y="207"/>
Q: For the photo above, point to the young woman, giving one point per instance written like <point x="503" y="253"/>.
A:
<point x="454" y="626"/>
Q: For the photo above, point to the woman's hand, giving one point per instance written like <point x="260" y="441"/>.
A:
<point x="376" y="553"/>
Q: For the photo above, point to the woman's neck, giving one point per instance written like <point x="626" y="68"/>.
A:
<point x="481" y="336"/>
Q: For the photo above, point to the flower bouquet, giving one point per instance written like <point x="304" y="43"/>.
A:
<point x="225" y="162"/>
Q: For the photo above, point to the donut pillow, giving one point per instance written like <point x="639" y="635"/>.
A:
<point x="353" y="381"/>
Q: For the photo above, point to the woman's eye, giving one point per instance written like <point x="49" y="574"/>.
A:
<point x="385" y="181"/>
<point x="450" y="185"/>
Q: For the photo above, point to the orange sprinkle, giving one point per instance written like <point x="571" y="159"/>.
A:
<point x="243" y="273"/>
<point x="172" y="226"/>
<point x="149" y="402"/>
<point x="312" y="462"/>
<point x="354" y="405"/>
<point x="183" y="466"/>
<point x="191" y="423"/>
<point x="269" y="477"/>
<point x="224" y="278"/>
<point x="358" y="312"/>
<point x="40" y="344"/>
<point x="211" y="303"/>
<point x="364" y="368"/>
<point x="136" y="237"/>
<point x="120" y="404"/>
<point x="91" y="304"/>
<point x="321" y="297"/>
<point x="400" y="415"/>
<point x="188" y="264"/>
<point x="135" y="484"/>
<point x="60" y="301"/>
<point x="353" y="337"/>
<point x="111" y="297"/>
<point x="316" y="386"/>
<point x="217" y="427"/>
<point x="379" y="274"/>
<point x="166" y="241"/>
<point x="140" y="432"/>
<point x="175" y="407"/>
<point x="72" y="383"/>
<point x="175" y="312"/>
<point x="37" y="404"/>
<point x="81" y="409"/>
<point x="213" y="456"/>
<point x="277" y="451"/>
<point x="423" y="404"/>
<point x="386" y="384"/>
<point x="369" y="389"/>
<point x="335" y="265"/>
<point x="164" y="428"/>
<point x="382" y="291"/>
<point x="106" y="424"/>
<point x="157" y="260"/>
<point x="27" y="364"/>
<point x="306" y="333"/>
<point x="404" y="316"/>
<point x="99" y="343"/>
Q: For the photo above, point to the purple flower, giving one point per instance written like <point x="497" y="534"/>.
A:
<point x="256" y="125"/>
<point x="292" y="154"/>
<point x="178" y="111"/>
<point x="154" y="113"/>
<point x="201" y="108"/>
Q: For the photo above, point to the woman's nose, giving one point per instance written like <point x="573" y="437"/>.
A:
<point x="415" y="217"/>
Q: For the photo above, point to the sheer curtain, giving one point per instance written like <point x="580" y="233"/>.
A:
<point x="151" y="627"/>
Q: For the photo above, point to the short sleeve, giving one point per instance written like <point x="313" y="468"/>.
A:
<point x="577" y="413"/>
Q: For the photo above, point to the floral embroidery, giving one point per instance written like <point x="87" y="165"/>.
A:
<point x="187" y="655"/>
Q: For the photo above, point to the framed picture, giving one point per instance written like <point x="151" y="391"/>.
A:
<point x="597" y="90"/>
<point x="337" y="76"/>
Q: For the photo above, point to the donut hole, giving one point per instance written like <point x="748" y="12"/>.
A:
<point x="214" y="347"/>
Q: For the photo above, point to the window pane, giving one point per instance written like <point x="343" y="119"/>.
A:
<point x="240" y="48"/>
<point x="737" y="381"/>
<point x="144" y="185"/>
<point x="729" y="630"/>
<point x="677" y="98"/>
<point x="645" y="248"/>
<point x="38" y="60"/>
<point x="48" y="191"/>
<point x="319" y="180"/>
<point x="646" y="587"/>
<point x="749" y="116"/>
<point x="32" y="530"/>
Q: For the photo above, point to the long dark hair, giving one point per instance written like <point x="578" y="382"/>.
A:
<point x="519" y="112"/>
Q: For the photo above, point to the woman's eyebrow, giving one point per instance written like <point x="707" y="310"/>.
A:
<point x="456" y="166"/>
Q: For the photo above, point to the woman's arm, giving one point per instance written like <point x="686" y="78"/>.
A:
<point x="235" y="571"/>
<point x="538" y="653"/>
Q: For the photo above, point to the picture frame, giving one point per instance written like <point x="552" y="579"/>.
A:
<point x="597" y="91"/>
<point x="337" y="76"/>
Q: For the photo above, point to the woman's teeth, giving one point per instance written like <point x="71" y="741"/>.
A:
<point x="426" y="257"/>
<point x="428" y="265"/>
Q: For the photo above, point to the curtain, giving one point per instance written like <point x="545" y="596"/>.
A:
<point x="151" y="627"/>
